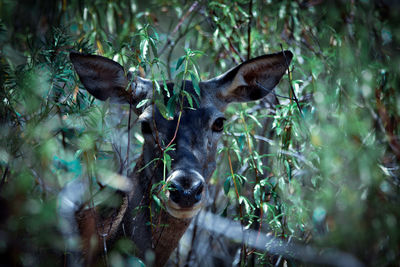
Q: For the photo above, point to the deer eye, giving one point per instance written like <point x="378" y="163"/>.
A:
<point x="218" y="125"/>
<point x="146" y="128"/>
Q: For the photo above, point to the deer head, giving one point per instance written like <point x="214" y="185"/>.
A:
<point x="193" y="132"/>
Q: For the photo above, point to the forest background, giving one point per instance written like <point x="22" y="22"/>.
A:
<point x="316" y="163"/>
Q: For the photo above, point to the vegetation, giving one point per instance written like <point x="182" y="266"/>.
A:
<point x="315" y="163"/>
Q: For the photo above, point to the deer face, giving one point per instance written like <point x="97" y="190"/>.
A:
<point x="193" y="133"/>
<point x="194" y="145"/>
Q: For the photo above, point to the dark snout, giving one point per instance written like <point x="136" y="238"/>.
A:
<point x="185" y="196"/>
<point x="185" y="193"/>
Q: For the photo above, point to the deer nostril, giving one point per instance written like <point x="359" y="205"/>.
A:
<point x="198" y="190"/>
<point x="185" y="196"/>
<point x="175" y="192"/>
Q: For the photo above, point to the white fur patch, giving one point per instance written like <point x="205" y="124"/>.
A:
<point x="184" y="213"/>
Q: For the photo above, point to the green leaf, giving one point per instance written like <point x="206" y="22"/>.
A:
<point x="255" y="120"/>
<point x="195" y="67"/>
<point x="171" y="105"/>
<point x="165" y="83"/>
<point x="227" y="185"/>
<point x="288" y="170"/>
<point x="162" y="108"/>
<point x="142" y="103"/>
<point x="153" y="48"/>
<point x="195" y="83"/>
<point x="178" y="82"/>
<point x="189" y="98"/>
<point x="247" y="204"/>
<point x="180" y="61"/>
<point x="157" y="200"/>
<point x="157" y="86"/>
<point x="237" y="152"/>
<point x="167" y="160"/>
<point x="143" y="48"/>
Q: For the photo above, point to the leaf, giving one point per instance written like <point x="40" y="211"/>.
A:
<point x="195" y="83"/>
<point x="288" y="170"/>
<point x="180" y="61"/>
<point x="162" y="109"/>
<point x="255" y="120"/>
<point x="153" y="47"/>
<point x="227" y="185"/>
<point x="167" y="160"/>
<point x="143" y="48"/>
<point x="237" y="152"/>
<point x="157" y="86"/>
<point x="165" y="84"/>
<point x="156" y="37"/>
<point x="142" y="103"/>
<point x="189" y="98"/>
<point x="171" y="106"/>
<point x="157" y="200"/>
<point x="247" y="204"/>
<point x="195" y="67"/>
<point x="241" y="141"/>
<point x="178" y="82"/>
<point x="258" y="161"/>
<point x="238" y="184"/>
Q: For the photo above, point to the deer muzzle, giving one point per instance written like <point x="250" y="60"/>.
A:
<point x="185" y="195"/>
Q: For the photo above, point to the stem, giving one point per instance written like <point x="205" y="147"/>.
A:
<point x="249" y="30"/>
<point x="179" y="25"/>
<point x="176" y="130"/>
<point x="129" y="136"/>
<point x="290" y="83"/>
<point x="3" y="179"/>
<point x="243" y="250"/>
<point x="236" y="188"/>
<point x="256" y="171"/>
<point x="181" y="104"/>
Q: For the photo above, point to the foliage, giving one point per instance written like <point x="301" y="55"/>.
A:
<point x="317" y="162"/>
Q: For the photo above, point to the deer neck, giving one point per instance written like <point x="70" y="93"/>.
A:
<point x="166" y="231"/>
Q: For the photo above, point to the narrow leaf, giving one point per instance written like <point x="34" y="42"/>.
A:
<point x="142" y="103"/>
<point x="227" y="185"/>
<point x="179" y="63"/>
<point x="195" y="83"/>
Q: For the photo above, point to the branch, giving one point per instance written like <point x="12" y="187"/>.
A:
<point x="290" y="82"/>
<point x="179" y="25"/>
<point x="233" y="231"/>
<point x="249" y="30"/>
<point x="3" y="179"/>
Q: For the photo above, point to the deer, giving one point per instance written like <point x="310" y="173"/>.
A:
<point x="194" y="132"/>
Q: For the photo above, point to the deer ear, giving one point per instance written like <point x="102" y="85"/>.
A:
<point x="106" y="79"/>
<point x="253" y="79"/>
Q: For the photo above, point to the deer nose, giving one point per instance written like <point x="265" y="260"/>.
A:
<point x="185" y="196"/>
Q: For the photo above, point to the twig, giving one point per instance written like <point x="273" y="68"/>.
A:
<point x="290" y="82"/>
<point x="176" y="131"/>
<point x="233" y="49"/>
<point x="275" y="246"/>
<point x="272" y="92"/>
<point x="249" y="30"/>
<point x="179" y="25"/>
<point x="3" y="179"/>
<point x="189" y="255"/>
<point x="280" y="256"/>
<point x="243" y="248"/>
<point x="174" y="44"/>
<point x="129" y="138"/>
<point x="256" y="173"/>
